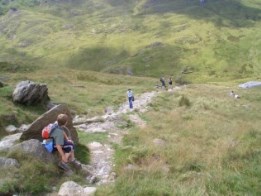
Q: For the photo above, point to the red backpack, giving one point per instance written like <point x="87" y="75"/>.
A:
<point x="47" y="131"/>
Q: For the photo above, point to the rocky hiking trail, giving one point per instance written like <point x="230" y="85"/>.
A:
<point x="101" y="164"/>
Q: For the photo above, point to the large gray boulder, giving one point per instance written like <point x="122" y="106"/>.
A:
<point x="30" y="93"/>
<point x="34" y="131"/>
<point x="34" y="148"/>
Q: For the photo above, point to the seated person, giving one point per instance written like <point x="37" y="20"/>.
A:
<point x="63" y="144"/>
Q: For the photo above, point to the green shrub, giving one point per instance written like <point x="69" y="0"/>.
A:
<point x="184" y="101"/>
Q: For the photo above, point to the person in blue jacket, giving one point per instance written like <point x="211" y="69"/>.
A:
<point x="130" y="98"/>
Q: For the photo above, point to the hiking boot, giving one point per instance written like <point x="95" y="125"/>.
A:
<point x="64" y="166"/>
<point x="76" y="164"/>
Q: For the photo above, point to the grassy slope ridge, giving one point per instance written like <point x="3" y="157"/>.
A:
<point x="220" y="40"/>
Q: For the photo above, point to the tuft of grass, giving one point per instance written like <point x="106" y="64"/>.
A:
<point x="184" y="101"/>
<point x="85" y="138"/>
<point x="82" y="153"/>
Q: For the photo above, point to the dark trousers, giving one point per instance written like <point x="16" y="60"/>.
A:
<point x="130" y="102"/>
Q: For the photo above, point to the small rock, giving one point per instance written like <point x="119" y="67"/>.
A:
<point x="8" y="162"/>
<point x="10" y="129"/>
<point x="90" y="191"/>
<point x="23" y="128"/>
<point x="71" y="188"/>
<point x="159" y="142"/>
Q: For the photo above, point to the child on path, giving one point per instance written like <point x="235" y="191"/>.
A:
<point x="130" y="98"/>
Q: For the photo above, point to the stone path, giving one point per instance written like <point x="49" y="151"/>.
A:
<point x="101" y="164"/>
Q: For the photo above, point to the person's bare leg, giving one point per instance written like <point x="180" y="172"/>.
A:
<point x="68" y="155"/>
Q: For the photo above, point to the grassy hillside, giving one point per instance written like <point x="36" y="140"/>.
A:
<point x="89" y="52"/>
<point x="218" y="41"/>
<point x="210" y="145"/>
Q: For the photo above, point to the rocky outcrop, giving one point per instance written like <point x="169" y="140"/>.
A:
<point x="35" y="129"/>
<point x="30" y="93"/>
<point x="34" y="148"/>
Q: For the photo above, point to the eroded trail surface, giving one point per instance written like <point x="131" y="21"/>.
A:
<point x="101" y="165"/>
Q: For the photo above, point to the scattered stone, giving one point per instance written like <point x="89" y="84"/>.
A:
<point x="101" y="162"/>
<point x="10" y="129"/>
<point x="108" y="110"/>
<point x="8" y="162"/>
<point x="95" y="145"/>
<point x="71" y="188"/>
<point x="97" y="127"/>
<point x="159" y="142"/>
<point x="90" y="191"/>
<point x="78" y="120"/>
<point x="7" y="142"/>
<point x="23" y="128"/>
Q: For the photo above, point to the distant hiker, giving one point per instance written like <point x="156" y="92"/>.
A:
<point x="63" y="144"/>
<point x="170" y="82"/>
<point x="130" y="98"/>
<point x="232" y="94"/>
<point x="163" y="84"/>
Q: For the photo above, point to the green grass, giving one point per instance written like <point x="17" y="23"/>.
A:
<point x="86" y="138"/>
<point x="90" y="52"/>
<point x="119" y="37"/>
<point x="211" y="147"/>
<point x="33" y="176"/>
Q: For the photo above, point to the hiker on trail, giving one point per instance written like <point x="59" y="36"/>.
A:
<point x="63" y="144"/>
<point x="130" y="98"/>
<point x="170" y="82"/>
<point x="232" y="94"/>
<point x="163" y="84"/>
